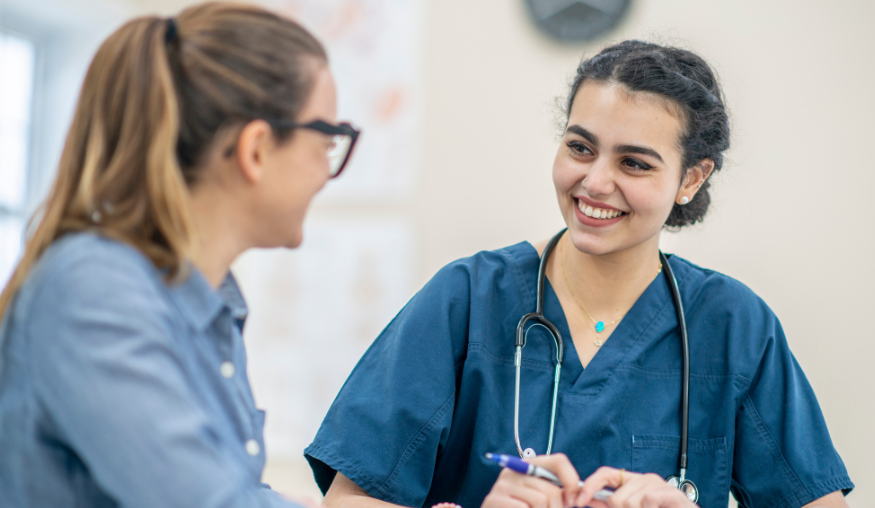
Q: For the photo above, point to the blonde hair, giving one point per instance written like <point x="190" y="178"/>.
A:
<point x="154" y="97"/>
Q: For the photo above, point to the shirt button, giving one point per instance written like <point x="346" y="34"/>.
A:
<point x="227" y="369"/>
<point x="252" y="447"/>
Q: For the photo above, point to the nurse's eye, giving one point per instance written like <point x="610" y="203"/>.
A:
<point x="635" y="164"/>
<point x="578" y="148"/>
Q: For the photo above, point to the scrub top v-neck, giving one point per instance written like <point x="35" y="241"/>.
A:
<point x="434" y="393"/>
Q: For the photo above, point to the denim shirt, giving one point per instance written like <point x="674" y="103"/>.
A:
<point x="118" y="389"/>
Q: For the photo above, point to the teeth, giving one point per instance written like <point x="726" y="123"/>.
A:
<point x="597" y="213"/>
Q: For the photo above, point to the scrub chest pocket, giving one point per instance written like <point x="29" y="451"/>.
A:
<point x="708" y="459"/>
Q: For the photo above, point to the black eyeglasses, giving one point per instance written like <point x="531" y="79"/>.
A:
<point x="343" y="140"/>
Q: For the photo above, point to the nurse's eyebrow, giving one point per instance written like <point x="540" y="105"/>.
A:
<point x="589" y="136"/>
<point x="643" y="150"/>
<point x="585" y="134"/>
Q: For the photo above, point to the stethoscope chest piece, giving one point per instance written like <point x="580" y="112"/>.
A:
<point x="687" y="487"/>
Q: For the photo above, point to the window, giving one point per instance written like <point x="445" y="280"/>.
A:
<point x="17" y="59"/>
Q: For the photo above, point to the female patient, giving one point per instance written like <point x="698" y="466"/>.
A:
<point x="123" y="373"/>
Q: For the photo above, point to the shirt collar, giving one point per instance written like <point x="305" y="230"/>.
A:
<point x="200" y="304"/>
<point x="233" y="297"/>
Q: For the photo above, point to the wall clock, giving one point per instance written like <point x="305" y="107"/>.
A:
<point x="577" y="20"/>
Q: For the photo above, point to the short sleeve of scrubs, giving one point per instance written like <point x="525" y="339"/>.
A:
<point x="412" y="359"/>
<point x="783" y="455"/>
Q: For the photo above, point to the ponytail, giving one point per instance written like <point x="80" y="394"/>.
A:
<point x="155" y="94"/>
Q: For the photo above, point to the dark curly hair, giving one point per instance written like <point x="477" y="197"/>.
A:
<point x="690" y="84"/>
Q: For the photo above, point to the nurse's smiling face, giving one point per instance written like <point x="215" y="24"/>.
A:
<point x="618" y="169"/>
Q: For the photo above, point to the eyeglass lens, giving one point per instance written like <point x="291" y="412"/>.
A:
<point x="337" y="152"/>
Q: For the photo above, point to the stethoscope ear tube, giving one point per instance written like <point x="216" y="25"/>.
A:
<point x="542" y="271"/>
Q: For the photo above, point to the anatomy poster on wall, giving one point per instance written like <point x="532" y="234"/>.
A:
<point x="375" y="49"/>
<point x="314" y="312"/>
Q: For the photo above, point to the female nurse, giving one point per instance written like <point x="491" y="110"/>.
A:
<point x="122" y="368"/>
<point x="646" y="130"/>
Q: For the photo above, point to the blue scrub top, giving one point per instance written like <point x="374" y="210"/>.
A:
<point x="434" y="393"/>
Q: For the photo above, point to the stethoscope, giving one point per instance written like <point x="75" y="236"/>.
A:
<point x="679" y="480"/>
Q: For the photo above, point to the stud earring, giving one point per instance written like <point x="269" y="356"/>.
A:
<point x="685" y="200"/>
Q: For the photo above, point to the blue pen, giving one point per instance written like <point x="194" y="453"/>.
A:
<point x="525" y="468"/>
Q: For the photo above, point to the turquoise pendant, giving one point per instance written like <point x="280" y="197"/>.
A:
<point x="599" y="327"/>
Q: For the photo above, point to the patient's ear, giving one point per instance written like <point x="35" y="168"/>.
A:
<point x="255" y="139"/>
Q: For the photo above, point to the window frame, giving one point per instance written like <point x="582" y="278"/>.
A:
<point x="19" y="215"/>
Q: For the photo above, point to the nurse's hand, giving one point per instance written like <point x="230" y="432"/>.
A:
<point x="632" y="490"/>
<point x="515" y="490"/>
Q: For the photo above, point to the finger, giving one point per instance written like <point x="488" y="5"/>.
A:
<point x="500" y="501"/>
<point x="559" y="464"/>
<point x="648" y="491"/>
<point x="588" y="499"/>
<point x="552" y="492"/>
<point x="510" y="502"/>
<point x="665" y="495"/>
<point x="665" y="498"/>
<point x="603" y="477"/>
<point x="630" y="495"/>
<point x="534" y="491"/>
<point x="580" y="501"/>
<point x="532" y="497"/>
<point x="654" y="500"/>
<point x="632" y="491"/>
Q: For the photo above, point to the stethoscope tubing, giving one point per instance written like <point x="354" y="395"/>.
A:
<point x="685" y="365"/>
<point x="520" y="342"/>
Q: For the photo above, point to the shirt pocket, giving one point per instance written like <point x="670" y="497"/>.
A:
<point x="707" y="465"/>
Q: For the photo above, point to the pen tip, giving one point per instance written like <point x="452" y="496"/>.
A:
<point x="488" y="455"/>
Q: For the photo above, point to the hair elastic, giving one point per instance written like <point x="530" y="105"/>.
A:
<point x="170" y="35"/>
